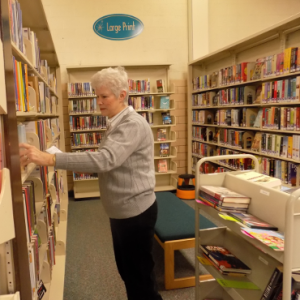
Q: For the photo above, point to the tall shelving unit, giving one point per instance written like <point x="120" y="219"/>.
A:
<point x="15" y="273"/>
<point x="269" y="204"/>
<point x="164" y="181"/>
<point x="263" y="44"/>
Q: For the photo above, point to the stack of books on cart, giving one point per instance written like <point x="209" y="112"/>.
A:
<point x="223" y="199"/>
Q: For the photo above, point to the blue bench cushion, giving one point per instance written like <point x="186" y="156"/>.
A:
<point x="176" y="219"/>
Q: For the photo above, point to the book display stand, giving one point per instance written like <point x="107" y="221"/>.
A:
<point x="23" y="267"/>
<point x="268" y="204"/>
<point x="153" y="113"/>
<point x="246" y="92"/>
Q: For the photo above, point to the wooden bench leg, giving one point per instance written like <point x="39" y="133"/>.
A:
<point x="169" y="248"/>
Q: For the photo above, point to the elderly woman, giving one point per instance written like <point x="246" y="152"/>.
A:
<point x="124" y="163"/>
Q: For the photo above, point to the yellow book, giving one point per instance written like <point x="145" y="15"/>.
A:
<point x="21" y="85"/>
<point x="290" y="147"/>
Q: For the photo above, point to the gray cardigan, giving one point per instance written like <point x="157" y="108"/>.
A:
<point x="125" y="166"/>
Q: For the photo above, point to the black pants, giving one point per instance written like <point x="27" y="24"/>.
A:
<point x="133" y="241"/>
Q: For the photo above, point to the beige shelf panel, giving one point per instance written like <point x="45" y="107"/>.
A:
<point x="6" y="210"/>
<point x="86" y="188"/>
<point x="255" y="39"/>
<point x="15" y="296"/>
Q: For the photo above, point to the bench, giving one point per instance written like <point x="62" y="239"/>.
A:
<point x="175" y="230"/>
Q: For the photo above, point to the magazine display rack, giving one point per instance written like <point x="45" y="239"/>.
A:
<point x="268" y="204"/>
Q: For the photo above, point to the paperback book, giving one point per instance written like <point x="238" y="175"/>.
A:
<point x="164" y="102"/>
<point x="252" y="221"/>
<point x="224" y="259"/>
<point x="273" y="239"/>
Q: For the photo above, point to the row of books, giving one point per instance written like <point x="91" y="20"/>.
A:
<point x="147" y="102"/>
<point x="274" y="65"/>
<point x="26" y="41"/>
<point x="87" y="122"/>
<point x="283" y="118"/>
<point x="209" y="167"/>
<point x="78" y="106"/>
<point x="86" y="139"/>
<point x="32" y="217"/>
<point x="166" y="117"/>
<point x="80" y="89"/>
<point x="143" y="86"/>
<point x="43" y="101"/>
<point x="286" y="171"/>
<point x="263" y="143"/>
<point x="141" y="102"/>
<point x="134" y="86"/>
<point x="139" y="85"/>
<point x="281" y="91"/>
<point x="81" y="176"/>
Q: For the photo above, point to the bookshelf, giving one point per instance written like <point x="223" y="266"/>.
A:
<point x="164" y="181"/>
<point x="268" y="204"/>
<point x="36" y="101"/>
<point x="229" y="98"/>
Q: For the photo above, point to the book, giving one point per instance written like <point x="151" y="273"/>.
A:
<point x="224" y="194"/>
<point x="164" y="149"/>
<point x="259" y="178"/>
<point x="274" y="281"/>
<point x="161" y="134"/>
<point x="160" y="86"/>
<point x="164" y="102"/>
<point x="224" y="259"/>
<point x="166" y="118"/>
<point x="162" y="166"/>
<point x="273" y="239"/>
<point x="252" y="221"/>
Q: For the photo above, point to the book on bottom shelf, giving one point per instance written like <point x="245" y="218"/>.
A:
<point x="224" y="259"/>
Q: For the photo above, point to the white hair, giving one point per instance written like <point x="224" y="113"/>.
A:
<point x="116" y="79"/>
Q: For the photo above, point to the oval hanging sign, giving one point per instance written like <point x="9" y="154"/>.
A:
<point x="118" y="27"/>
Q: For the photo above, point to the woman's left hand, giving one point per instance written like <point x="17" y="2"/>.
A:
<point x="30" y="154"/>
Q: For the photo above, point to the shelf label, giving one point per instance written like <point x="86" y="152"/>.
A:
<point x="118" y="27"/>
<point x="263" y="260"/>
<point x="264" y="192"/>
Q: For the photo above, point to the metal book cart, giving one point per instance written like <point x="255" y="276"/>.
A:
<point x="268" y="204"/>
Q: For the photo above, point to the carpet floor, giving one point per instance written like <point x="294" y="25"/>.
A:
<point x="91" y="272"/>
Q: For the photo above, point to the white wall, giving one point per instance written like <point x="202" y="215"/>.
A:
<point x="229" y="21"/>
<point x="164" y="39"/>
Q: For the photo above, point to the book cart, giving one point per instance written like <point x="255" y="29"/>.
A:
<point x="268" y="204"/>
<point x="164" y="181"/>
